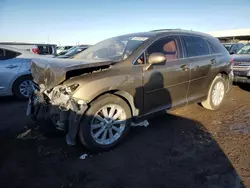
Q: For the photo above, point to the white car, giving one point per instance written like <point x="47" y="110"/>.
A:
<point x="15" y="76"/>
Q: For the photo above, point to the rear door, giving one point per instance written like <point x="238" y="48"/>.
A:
<point x="9" y="68"/>
<point x="166" y="85"/>
<point x="197" y="51"/>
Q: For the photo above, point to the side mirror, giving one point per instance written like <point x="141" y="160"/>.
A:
<point x="232" y="52"/>
<point x="157" y="58"/>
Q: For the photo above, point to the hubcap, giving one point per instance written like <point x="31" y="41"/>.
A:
<point x="26" y="87"/>
<point x="108" y="124"/>
<point x="218" y="93"/>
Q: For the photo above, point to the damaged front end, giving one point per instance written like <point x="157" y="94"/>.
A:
<point x="54" y="100"/>
<point x="58" y="106"/>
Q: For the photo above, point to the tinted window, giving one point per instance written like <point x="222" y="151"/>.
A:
<point x="1" y="54"/>
<point x="213" y="49"/>
<point x="234" y="47"/>
<point x="10" y="54"/>
<point x="167" y="46"/>
<point x="195" y="46"/>
<point x="45" y="50"/>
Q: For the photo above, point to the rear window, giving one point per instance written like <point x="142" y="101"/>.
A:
<point x="195" y="46"/>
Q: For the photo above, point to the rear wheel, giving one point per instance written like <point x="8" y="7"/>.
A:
<point x="105" y="123"/>
<point x="216" y="94"/>
<point x="22" y="87"/>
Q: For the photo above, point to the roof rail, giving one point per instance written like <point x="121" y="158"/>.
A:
<point x="159" y="30"/>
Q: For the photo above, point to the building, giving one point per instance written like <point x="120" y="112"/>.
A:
<point x="233" y="35"/>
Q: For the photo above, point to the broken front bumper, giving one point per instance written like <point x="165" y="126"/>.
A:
<point x="63" y="111"/>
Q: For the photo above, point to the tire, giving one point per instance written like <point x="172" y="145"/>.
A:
<point x="16" y="86"/>
<point x="209" y="103"/>
<point x="87" y="132"/>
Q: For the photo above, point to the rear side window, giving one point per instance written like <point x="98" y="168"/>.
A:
<point x="213" y="49"/>
<point x="8" y="54"/>
<point x="11" y="54"/>
<point x="195" y="46"/>
<point x="1" y="54"/>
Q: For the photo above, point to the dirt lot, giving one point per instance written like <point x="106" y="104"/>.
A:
<point x="192" y="147"/>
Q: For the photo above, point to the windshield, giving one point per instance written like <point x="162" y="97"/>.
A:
<point x="114" y="49"/>
<point x="72" y="51"/>
<point x="244" y="50"/>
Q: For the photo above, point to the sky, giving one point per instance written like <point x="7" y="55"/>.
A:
<point x="68" y="22"/>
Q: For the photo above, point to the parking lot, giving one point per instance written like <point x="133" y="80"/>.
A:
<point x="191" y="147"/>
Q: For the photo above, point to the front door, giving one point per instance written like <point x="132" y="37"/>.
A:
<point x="166" y="85"/>
<point x="201" y="61"/>
<point x="9" y="68"/>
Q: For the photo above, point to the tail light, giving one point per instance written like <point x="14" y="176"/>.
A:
<point x="35" y="50"/>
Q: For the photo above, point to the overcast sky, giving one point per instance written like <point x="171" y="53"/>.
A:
<point x="89" y="21"/>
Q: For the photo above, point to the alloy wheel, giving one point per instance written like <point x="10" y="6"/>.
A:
<point x="218" y="93"/>
<point x="108" y="124"/>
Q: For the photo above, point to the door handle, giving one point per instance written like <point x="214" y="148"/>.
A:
<point x="185" y="67"/>
<point x="213" y="61"/>
<point x="11" y="66"/>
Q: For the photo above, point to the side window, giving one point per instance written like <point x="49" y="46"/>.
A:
<point x="195" y="46"/>
<point x="167" y="46"/>
<point x="10" y="54"/>
<point x="213" y="49"/>
<point x="2" y="56"/>
<point x="140" y="60"/>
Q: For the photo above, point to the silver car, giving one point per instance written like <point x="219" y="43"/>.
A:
<point x="15" y="76"/>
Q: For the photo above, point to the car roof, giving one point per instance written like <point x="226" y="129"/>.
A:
<point x="162" y="32"/>
<point x="12" y="48"/>
<point x="24" y="43"/>
<point x="25" y="53"/>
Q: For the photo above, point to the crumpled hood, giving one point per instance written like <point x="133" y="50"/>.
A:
<point x="49" y="72"/>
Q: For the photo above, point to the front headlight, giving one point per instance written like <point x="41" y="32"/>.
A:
<point x="71" y="88"/>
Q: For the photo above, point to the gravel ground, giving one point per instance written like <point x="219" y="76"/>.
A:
<point x="191" y="147"/>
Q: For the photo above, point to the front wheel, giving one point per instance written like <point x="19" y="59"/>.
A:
<point x="105" y="123"/>
<point x="22" y="87"/>
<point x="216" y="94"/>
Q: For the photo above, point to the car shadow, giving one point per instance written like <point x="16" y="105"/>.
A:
<point x="172" y="151"/>
<point x="11" y="100"/>
<point x="244" y="86"/>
